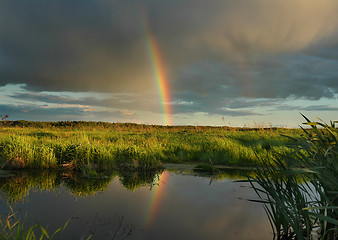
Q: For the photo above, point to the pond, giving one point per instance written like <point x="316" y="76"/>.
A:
<point x="132" y="205"/>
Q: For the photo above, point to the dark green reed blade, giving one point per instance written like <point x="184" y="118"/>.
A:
<point x="61" y="229"/>
<point x="30" y="233"/>
<point x="258" y="201"/>
<point x="305" y="117"/>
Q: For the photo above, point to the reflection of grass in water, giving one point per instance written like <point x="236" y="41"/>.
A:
<point x="17" y="187"/>
<point x="223" y="173"/>
<point x="132" y="180"/>
<point x="84" y="186"/>
<point x="237" y="174"/>
<point x="206" y="168"/>
<point x="234" y="174"/>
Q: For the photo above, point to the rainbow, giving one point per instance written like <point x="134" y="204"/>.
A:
<point x="155" y="199"/>
<point x="159" y="71"/>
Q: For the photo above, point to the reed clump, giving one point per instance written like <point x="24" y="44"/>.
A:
<point x="300" y="190"/>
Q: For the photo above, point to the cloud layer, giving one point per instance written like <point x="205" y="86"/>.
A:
<point x="215" y="52"/>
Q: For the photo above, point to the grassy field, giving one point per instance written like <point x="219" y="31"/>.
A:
<point x="93" y="147"/>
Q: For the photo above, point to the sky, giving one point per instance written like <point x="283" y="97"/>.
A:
<point x="170" y="62"/>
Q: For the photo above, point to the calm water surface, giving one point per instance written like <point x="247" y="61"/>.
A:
<point x="175" y="206"/>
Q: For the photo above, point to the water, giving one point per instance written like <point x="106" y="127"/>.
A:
<point x="133" y="206"/>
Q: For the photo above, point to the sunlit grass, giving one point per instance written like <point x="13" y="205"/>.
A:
<point x="136" y="146"/>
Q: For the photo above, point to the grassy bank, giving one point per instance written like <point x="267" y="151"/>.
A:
<point x="101" y="146"/>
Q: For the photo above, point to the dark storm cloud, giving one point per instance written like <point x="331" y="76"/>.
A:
<point x="133" y="102"/>
<point x="214" y="51"/>
<point x="321" y="108"/>
<point x="41" y="113"/>
<point x="38" y="97"/>
<point x="56" y="99"/>
<point x="253" y="103"/>
<point x="72" y="45"/>
<point x="217" y="105"/>
<point x="236" y="113"/>
<point x="311" y="108"/>
<point x="100" y="45"/>
<point x="265" y="76"/>
<point x="117" y="101"/>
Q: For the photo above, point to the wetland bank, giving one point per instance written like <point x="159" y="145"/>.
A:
<point x="117" y="181"/>
<point x="104" y="146"/>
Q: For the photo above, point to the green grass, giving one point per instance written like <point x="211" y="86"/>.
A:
<point x="107" y="146"/>
<point x="13" y="228"/>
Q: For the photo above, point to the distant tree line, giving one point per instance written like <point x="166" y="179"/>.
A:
<point x="108" y="125"/>
<point x="76" y="124"/>
<point x="60" y="124"/>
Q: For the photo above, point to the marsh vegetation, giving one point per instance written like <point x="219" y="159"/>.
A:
<point x="96" y="147"/>
<point x="299" y="190"/>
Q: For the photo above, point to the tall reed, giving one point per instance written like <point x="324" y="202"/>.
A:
<point x="299" y="190"/>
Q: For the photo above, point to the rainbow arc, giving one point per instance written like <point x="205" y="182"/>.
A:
<point x="159" y="71"/>
<point x="155" y="199"/>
